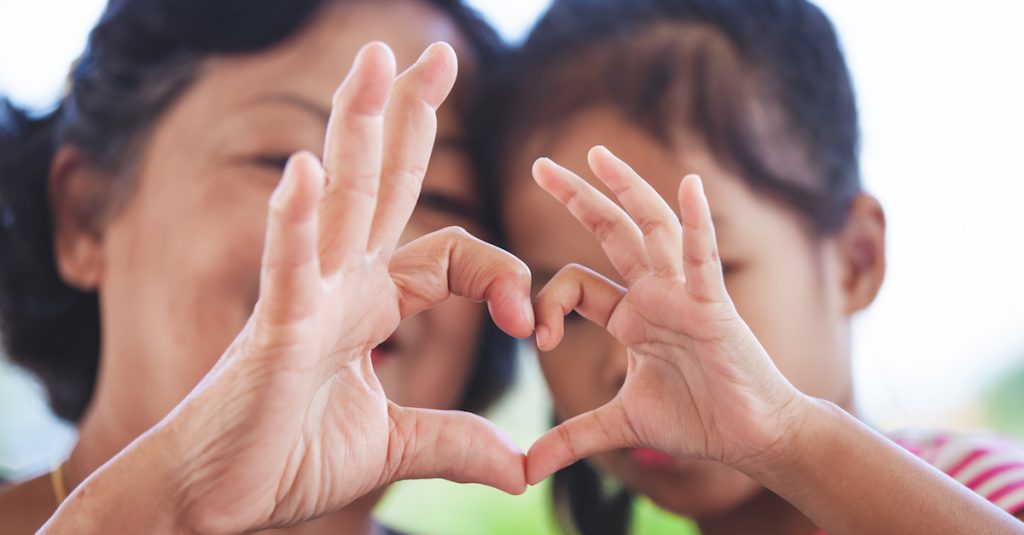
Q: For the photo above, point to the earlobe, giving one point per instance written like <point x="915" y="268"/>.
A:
<point x="862" y="243"/>
<point x="78" y="195"/>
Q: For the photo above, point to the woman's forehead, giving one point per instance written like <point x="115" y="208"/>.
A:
<point x="314" y="62"/>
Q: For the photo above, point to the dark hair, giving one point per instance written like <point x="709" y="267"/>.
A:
<point x="761" y="83"/>
<point x="140" y="57"/>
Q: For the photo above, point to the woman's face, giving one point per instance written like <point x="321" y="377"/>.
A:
<point x="181" y="258"/>
<point x="785" y="286"/>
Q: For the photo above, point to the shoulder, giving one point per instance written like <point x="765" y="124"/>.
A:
<point x="988" y="464"/>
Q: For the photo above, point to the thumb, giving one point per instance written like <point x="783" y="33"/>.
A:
<point x="457" y="446"/>
<point x="603" y="429"/>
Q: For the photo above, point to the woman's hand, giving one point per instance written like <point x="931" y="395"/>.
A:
<point x="292" y="423"/>
<point x="698" y="383"/>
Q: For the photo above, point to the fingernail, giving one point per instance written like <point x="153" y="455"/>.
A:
<point x="542" y="336"/>
<point x="528" y="311"/>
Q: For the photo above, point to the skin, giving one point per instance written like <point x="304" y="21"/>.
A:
<point x="172" y="303"/>
<point x="681" y="372"/>
<point x="292" y="424"/>
<point x="794" y="303"/>
<point x="318" y="432"/>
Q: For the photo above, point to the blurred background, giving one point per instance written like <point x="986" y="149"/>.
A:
<point x="939" y="87"/>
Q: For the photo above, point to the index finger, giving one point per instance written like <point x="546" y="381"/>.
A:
<point x="453" y="262"/>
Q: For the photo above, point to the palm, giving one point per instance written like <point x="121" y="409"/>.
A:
<point x="696" y="376"/>
<point x="304" y="427"/>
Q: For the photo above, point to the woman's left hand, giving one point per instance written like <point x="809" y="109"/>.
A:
<point x="698" y="383"/>
<point x="292" y="423"/>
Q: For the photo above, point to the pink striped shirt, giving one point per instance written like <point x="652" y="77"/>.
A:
<point x="989" y="465"/>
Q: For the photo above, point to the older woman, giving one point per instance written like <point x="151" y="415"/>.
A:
<point x="134" y="227"/>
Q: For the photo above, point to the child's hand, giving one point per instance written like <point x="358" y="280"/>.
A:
<point x="698" y="382"/>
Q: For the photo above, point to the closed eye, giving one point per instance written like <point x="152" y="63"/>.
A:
<point x="271" y="161"/>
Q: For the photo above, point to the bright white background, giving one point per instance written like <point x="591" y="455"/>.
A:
<point x="939" y="84"/>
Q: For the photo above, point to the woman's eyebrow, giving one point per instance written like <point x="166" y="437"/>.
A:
<point x="448" y="141"/>
<point x="312" y="107"/>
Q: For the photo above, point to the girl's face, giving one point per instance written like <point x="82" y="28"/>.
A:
<point x="786" y="285"/>
<point x="180" y="260"/>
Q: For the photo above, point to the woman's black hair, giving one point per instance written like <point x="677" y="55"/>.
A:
<point x="140" y="57"/>
<point x="761" y="84"/>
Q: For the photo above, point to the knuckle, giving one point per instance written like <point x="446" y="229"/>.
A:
<point x="649" y="226"/>
<point x="602" y="229"/>
<point x="455" y="233"/>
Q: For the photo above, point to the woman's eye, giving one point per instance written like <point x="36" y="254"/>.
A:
<point x="729" y="268"/>
<point x="271" y="161"/>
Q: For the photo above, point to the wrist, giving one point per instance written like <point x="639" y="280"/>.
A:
<point x="785" y="444"/>
<point x="134" y="492"/>
<point x="792" y="461"/>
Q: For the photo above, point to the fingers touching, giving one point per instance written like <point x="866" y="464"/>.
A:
<point x="456" y="446"/>
<point x="573" y="288"/>
<point x="604" y="429"/>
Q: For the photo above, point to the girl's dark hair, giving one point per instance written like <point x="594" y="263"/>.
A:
<point x="140" y="57"/>
<point x="761" y="84"/>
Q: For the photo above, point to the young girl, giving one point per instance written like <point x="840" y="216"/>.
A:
<point x="665" y="389"/>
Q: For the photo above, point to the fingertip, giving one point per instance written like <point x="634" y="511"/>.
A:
<point x="519" y="486"/>
<point x="377" y="53"/>
<point x="511" y="311"/>
<point x="536" y="469"/>
<point x="300" y="187"/>
<point x="528" y="314"/>
<point x="693" y="202"/>
<point x="540" y="165"/>
<point x="543" y="337"/>
<point x="598" y="151"/>
<point x="692" y="183"/>
<point x="441" y="69"/>
<point x="371" y="78"/>
<point x="444" y="52"/>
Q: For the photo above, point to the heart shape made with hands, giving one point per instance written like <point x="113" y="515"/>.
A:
<point x="334" y="284"/>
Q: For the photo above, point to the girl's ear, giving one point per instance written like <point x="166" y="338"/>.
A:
<point x="862" y="249"/>
<point x="79" y="196"/>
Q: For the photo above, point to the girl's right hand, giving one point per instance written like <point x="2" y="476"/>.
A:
<point x="698" y="383"/>
<point x="292" y="423"/>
